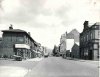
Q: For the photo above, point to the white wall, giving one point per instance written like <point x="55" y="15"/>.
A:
<point x="69" y="44"/>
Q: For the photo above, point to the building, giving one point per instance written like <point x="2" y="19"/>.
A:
<point x="72" y="39"/>
<point x="0" y="45"/>
<point x="75" y="51"/>
<point x="46" y="53"/>
<point x="58" y="51"/>
<point x="41" y="51"/>
<point x="90" y="41"/>
<point x="18" y="42"/>
<point x="67" y="41"/>
<point x="63" y="44"/>
<point x="74" y="34"/>
<point x="0" y="39"/>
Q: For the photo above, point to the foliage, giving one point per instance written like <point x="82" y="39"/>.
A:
<point x="54" y="52"/>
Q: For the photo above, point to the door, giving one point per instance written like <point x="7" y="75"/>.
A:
<point x="90" y="55"/>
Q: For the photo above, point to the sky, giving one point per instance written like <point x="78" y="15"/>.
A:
<point x="47" y="20"/>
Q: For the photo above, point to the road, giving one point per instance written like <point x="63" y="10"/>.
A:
<point x="49" y="67"/>
<point x="58" y="67"/>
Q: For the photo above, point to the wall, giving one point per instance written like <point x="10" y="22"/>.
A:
<point x="69" y="44"/>
<point x="8" y="42"/>
<point x="75" y="51"/>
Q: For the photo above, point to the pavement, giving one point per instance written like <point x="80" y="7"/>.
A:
<point x="93" y="62"/>
<point x="11" y="71"/>
<point x="10" y="68"/>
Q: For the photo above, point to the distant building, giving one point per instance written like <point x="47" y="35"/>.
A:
<point x="63" y="44"/>
<point x="0" y="41"/>
<point x="90" y="41"/>
<point x="72" y="38"/>
<point x="0" y="44"/>
<point x="41" y="51"/>
<point x="67" y="41"/>
<point x="74" y="34"/>
<point x="46" y="53"/>
<point x="18" y="42"/>
<point x="75" y="51"/>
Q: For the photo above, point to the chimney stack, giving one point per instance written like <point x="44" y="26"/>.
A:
<point x="11" y="27"/>
<point x="29" y="33"/>
<point x="86" y="23"/>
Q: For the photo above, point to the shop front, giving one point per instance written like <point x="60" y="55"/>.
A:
<point x="23" y="51"/>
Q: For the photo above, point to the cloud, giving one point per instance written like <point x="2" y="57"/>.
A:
<point x="1" y="8"/>
<point x="49" y="17"/>
<point x="49" y="20"/>
<point x="50" y="11"/>
<point x="20" y="11"/>
<point x="1" y="4"/>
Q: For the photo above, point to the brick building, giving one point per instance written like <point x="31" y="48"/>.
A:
<point x="90" y="41"/>
<point x="18" y="42"/>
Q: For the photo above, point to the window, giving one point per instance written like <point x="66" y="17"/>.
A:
<point x="91" y="35"/>
<point x="87" y="37"/>
<point x="13" y="38"/>
<point x="20" y="39"/>
<point x="95" y="46"/>
<point x="84" y="38"/>
<point x="7" y="38"/>
<point x="96" y="34"/>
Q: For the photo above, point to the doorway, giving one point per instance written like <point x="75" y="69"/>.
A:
<point x="90" y="55"/>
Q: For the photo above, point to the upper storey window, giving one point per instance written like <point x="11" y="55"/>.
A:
<point x="20" y="38"/>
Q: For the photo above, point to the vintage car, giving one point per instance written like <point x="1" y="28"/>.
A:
<point x="17" y="58"/>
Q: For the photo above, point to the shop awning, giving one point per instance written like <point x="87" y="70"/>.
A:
<point x="22" y="46"/>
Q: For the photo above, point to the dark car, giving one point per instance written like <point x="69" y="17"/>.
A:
<point x="17" y="58"/>
<point x="45" y="56"/>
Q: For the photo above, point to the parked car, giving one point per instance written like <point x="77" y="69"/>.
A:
<point x="17" y="58"/>
<point x="45" y="56"/>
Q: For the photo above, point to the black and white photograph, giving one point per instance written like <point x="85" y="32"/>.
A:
<point x="49" y="38"/>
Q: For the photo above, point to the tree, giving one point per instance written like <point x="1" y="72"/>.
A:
<point x="54" y="52"/>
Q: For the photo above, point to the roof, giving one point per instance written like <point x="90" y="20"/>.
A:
<point x="88" y="26"/>
<point x="20" y="31"/>
<point x="13" y="30"/>
<point x="74" y="34"/>
<point x="77" y="43"/>
<point x="97" y="23"/>
<point x="70" y="36"/>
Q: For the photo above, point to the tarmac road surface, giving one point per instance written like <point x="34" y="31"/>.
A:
<point x="59" y="67"/>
